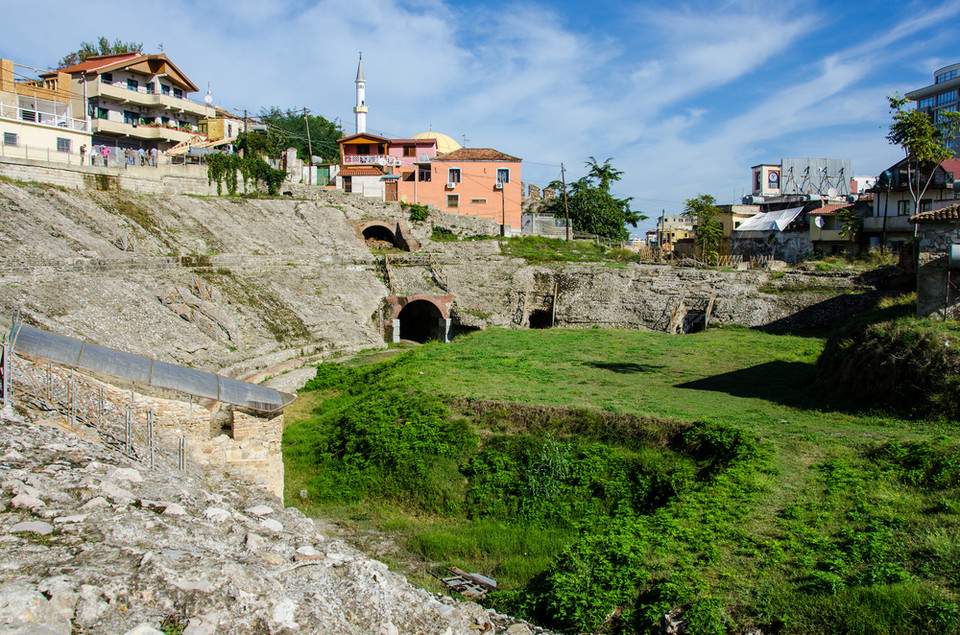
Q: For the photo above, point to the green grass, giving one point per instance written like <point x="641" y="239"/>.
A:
<point x="541" y="250"/>
<point x="601" y="472"/>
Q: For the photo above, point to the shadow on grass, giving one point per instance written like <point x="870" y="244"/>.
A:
<point x="625" y="367"/>
<point x="819" y="319"/>
<point x="786" y="383"/>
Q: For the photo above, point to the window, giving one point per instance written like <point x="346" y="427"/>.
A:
<point x="453" y="201"/>
<point x="946" y="98"/>
<point x="149" y="87"/>
<point x="133" y="84"/>
<point x="63" y="145"/>
<point x="423" y="173"/>
<point x="178" y="93"/>
<point x="130" y="117"/>
<point x="453" y="175"/>
<point x="165" y="121"/>
<point x="478" y="201"/>
<point x="903" y="208"/>
<point x="409" y="151"/>
<point x="164" y="89"/>
<point x="503" y="175"/>
<point x="363" y="149"/>
<point x="943" y="77"/>
<point x="102" y="113"/>
<point x="145" y="121"/>
<point x="11" y="139"/>
<point x="107" y="78"/>
<point x="925" y="205"/>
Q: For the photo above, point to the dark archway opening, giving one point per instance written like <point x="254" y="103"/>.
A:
<point x="378" y="236"/>
<point x="541" y="319"/>
<point x="693" y="321"/>
<point x="420" y="321"/>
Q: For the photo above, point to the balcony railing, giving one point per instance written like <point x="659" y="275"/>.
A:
<point x="141" y="131"/>
<point x="142" y="97"/>
<point x="365" y="158"/>
<point x="49" y="119"/>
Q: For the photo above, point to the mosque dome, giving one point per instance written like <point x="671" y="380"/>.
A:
<point x="444" y="143"/>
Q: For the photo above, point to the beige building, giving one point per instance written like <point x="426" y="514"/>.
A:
<point x="38" y="118"/>
<point x="223" y="125"/>
<point x="136" y="101"/>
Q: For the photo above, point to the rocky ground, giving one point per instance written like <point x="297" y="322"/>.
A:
<point x="92" y="543"/>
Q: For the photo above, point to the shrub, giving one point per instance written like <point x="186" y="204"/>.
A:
<point x="417" y="212"/>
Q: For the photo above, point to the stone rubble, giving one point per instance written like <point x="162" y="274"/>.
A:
<point x="92" y="543"/>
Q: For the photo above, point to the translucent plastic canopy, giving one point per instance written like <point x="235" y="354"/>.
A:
<point x="81" y="354"/>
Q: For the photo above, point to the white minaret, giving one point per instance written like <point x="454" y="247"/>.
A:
<point x="361" y="108"/>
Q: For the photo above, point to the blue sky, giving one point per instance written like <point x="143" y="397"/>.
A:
<point x="684" y="97"/>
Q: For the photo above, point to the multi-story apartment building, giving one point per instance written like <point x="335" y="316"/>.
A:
<point x="136" y="101"/>
<point x="38" y="119"/>
<point x="943" y="95"/>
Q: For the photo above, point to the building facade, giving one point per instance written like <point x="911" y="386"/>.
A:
<point x="943" y="95"/>
<point x="888" y="222"/>
<point x="38" y="118"/>
<point x="479" y="182"/>
<point x="136" y="101"/>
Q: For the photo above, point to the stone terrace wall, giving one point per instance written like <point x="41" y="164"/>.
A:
<point x="933" y="296"/>
<point x="163" y="179"/>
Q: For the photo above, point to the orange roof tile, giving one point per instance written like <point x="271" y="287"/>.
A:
<point x="949" y="213"/>
<point x="476" y="154"/>
<point x="360" y="170"/>
<point x="99" y="61"/>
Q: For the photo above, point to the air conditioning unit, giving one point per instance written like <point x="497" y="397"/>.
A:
<point x="451" y="185"/>
<point x="498" y="186"/>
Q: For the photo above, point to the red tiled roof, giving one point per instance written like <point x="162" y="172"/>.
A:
<point x="828" y="209"/>
<point x="949" y="213"/>
<point x="476" y="154"/>
<point x="362" y="135"/>
<point x="360" y="170"/>
<point x="100" y="61"/>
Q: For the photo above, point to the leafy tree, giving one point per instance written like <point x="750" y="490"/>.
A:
<point x="704" y="212"/>
<point x="593" y="208"/>
<point x="850" y="223"/>
<point x="292" y="127"/>
<point x="923" y="140"/>
<point x="101" y="47"/>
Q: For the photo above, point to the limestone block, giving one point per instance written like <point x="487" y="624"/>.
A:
<point x="24" y="610"/>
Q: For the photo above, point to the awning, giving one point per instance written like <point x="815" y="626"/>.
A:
<point x="770" y="221"/>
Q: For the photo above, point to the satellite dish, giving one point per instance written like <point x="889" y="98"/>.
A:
<point x="833" y="192"/>
<point x="208" y="98"/>
<point x="818" y="221"/>
<point x="424" y="158"/>
<point x="382" y="161"/>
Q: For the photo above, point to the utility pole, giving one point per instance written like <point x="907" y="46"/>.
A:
<point x="503" y="210"/>
<point x="309" y="143"/>
<point x="660" y="230"/>
<point x="309" y="147"/>
<point x="244" y="127"/>
<point x="566" y="209"/>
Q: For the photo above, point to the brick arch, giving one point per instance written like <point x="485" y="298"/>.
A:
<point x="442" y="302"/>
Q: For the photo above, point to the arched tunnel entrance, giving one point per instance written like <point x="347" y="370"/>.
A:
<point x="421" y="321"/>
<point x="380" y="236"/>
